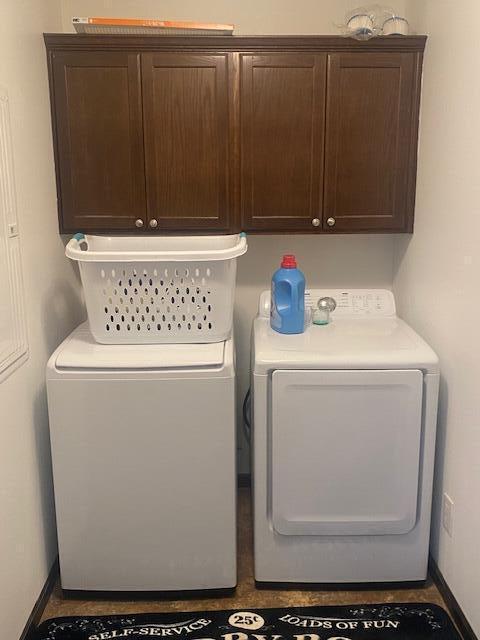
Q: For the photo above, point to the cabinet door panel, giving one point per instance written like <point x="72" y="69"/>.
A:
<point x="282" y="123"/>
<point x="370" y="136"/>
<point x="187" y="140"/>
<point x="99" y="140"/>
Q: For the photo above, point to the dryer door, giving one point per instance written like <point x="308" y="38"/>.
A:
<point x="345" y="451"/>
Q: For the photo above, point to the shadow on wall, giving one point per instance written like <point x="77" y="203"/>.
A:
<point x="45" y="477"/>
<point x="438" y="479"/>
<point x="407" y="308"/>
<point x="402" y="243"/>
<point x="62" y="311"/>
<point x="63" y="307"/>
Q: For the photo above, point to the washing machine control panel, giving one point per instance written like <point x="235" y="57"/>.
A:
<point x="355" y="302"/>
<point x="350" y="302"/>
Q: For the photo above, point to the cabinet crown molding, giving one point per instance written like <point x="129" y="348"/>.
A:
<point x="79" y="42"/>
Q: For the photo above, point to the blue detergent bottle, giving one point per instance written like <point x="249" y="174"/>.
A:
<point x="287" y="310"/>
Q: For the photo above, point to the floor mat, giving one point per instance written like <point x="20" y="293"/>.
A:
<point x="357" y="622"/>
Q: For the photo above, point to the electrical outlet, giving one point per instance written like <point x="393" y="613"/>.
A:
<point x="12" y="229"/>
<point x="447" y="515"/>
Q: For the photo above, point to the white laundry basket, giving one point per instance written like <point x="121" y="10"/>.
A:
<point x="160" y="289"/>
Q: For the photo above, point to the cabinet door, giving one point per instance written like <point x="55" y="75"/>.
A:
<point x="282" y="129"/>
<point x="371" y="134"/>
<point x="99" y="140"/>
<point x="186" y="115"/>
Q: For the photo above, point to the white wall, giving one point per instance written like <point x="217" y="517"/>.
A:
<point x="27" y="531"/>
<point x="249" y="16"/>
<point x="437" y="276"/>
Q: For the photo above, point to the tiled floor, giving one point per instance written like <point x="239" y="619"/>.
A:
<point x="245" y="596"/>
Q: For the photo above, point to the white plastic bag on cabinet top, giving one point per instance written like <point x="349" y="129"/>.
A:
<point x="363" y="23"/>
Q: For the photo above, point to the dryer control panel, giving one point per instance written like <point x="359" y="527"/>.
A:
<point x="366" y="303"/>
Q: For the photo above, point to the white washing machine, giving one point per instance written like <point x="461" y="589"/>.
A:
<point x="344" y="421"/>
<point x="143" y="449"/>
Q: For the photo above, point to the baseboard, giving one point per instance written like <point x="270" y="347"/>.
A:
<point x="455" y="609"/>
<point x="243" y="480"/>
<point x="190" y="594"/>
<point x="29" y="631"/>
<point x="338" y="586"/>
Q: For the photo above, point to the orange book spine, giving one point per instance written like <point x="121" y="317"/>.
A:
<point x="171" y="24"/>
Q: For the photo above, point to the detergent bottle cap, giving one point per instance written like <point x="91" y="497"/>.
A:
<point x="289" y="262"/>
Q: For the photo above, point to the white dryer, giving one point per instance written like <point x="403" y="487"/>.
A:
<point x="143" y="449"/>
<point x="344" y="422"/>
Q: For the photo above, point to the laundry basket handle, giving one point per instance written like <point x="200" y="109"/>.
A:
<point x="78" y="242"/>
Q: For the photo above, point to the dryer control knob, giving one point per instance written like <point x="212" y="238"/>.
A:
<point x="327" y="304"/>
<point x="325" y="307"/>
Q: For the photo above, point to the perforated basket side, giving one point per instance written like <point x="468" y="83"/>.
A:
<point x="148" y="302"/>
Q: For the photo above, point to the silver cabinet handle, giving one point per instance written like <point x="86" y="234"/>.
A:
<point x="139" y="223"/>
<point x="153" y="223"/>
<point x="331" y="222"/>
<point x="316" y="222"/>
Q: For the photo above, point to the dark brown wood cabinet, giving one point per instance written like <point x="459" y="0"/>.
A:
<point x="97" y="115"/>
<point x="185" y="101"/>
<point x="371" y="140"/>
<point x="173" y="134"/>
<point x="282" y="131"/>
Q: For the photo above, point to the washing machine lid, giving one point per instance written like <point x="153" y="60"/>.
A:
<point x="80" y="351"/>
<point x="364" y="333"/>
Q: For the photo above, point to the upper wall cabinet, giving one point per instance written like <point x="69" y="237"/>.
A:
<point x="174" y="134"/>
<point x="97" y="115"/>
<point x="371" y="142"/>
<point x="185" y="102"/>
<point x="282" y="132"/>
